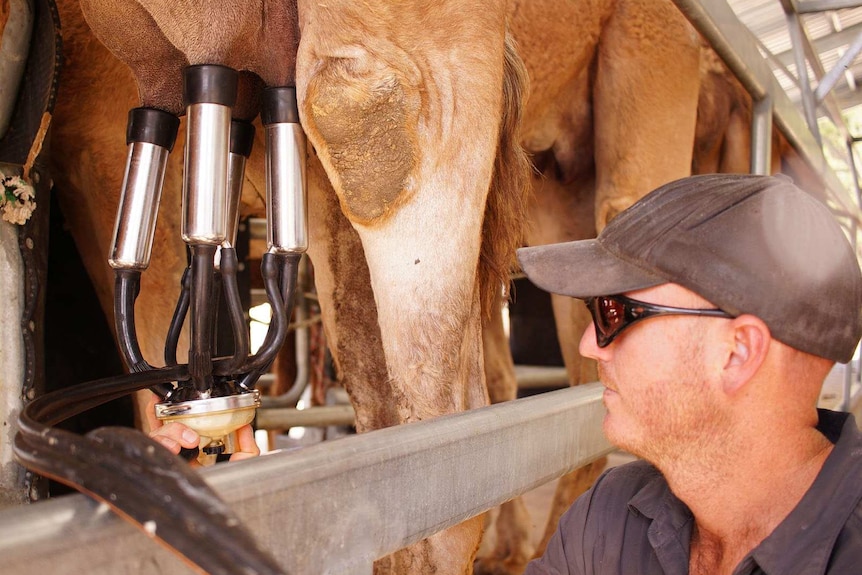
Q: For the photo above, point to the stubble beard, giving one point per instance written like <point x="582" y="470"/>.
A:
<point x="669" y="422"/>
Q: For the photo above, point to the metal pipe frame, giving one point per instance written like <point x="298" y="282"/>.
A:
<point x="808" y="6"/>
<point x="804" y="49"/>
<point x="854" y="169"/>
<point x="831" y="78"/>
<point x="272" y="415"/>
<point x="383" y="490"/>
<point x="800" y="43"/>
<point x="321" y="416"/>
<point x="761" y="137"/>
<point x="799" y="37"/>
<point x="736" y="45"/>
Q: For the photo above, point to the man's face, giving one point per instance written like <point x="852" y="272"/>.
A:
<point x="661" y="394"/>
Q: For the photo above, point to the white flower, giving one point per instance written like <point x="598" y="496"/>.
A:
<point x="24" y="193"/>
<point x="16" y="200"/>
<point x="18" y="213"/>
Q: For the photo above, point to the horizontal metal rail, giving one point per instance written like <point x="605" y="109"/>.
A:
<point x="318" y="416"/>
<point x="529" y="377"/>
<point x="541" y="377"/>
<point x="335" y="507"/>
<point x="808" y="6"/>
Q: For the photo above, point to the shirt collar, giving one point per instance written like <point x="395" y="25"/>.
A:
<point x="670" y="527"/>
<point x="803" y="542"/>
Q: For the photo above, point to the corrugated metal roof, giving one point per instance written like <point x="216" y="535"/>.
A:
<point x="831" y="33"/>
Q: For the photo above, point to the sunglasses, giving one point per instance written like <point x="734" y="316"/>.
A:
<point x="614" y="313"/>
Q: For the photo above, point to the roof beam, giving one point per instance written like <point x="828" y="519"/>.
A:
<point x="830" y="42"/>
<point x="808" y="6"/>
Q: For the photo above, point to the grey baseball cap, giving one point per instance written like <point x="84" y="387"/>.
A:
<point x="749" y="244"/>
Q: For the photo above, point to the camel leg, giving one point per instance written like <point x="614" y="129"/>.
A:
<point x="572" y="319"/>
<point x="347" y="305"/>
<point x="513" y="546"/>
<point x="563" y="212"/>
<point x="569" y="488"/>
<point x="411" y="170"/>
<point x="499" y="367"/>
<point x="645" y="103"/>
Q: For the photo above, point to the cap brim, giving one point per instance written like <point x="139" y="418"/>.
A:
<point x="583" y="269"/>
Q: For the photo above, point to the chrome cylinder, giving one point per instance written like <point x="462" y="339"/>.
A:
<point x="761" y="137"/>
<point x="205" y="215"/>
<point x="139" y="206"/>
<point x="286" y="194"/>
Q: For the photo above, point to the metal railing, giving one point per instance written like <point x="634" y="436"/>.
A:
<point x="335" y="507"/>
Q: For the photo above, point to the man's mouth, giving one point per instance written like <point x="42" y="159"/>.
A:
<point x="603" y="379"/>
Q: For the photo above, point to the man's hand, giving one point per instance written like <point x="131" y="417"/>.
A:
<point x="175" y="435"/>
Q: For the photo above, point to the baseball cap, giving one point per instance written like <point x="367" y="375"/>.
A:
<point x="749" y="244"/>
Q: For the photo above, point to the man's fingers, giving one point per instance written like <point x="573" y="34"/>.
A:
<point x="247" y="446"/>
<point x="175" y="435"/>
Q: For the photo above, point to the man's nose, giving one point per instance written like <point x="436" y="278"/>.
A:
<point x="588" y="346"/>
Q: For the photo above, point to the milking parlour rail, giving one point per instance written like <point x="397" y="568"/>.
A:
<point x="334" y="507"/>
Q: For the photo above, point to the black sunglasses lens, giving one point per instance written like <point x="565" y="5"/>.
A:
<point x="612" y="314"/>
<point x="609" y="316"/>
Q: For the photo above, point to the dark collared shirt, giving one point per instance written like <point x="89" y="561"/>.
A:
<point x="601" y="535"/>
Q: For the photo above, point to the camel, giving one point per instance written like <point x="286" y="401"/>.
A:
<point x="395" y="229"/>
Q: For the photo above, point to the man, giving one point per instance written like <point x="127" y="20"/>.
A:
<point x="719" y="305"/>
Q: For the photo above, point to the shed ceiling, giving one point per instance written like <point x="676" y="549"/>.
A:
<point x="831" y="29"/>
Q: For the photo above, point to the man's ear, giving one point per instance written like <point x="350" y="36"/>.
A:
<point x="750" y="345"/>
